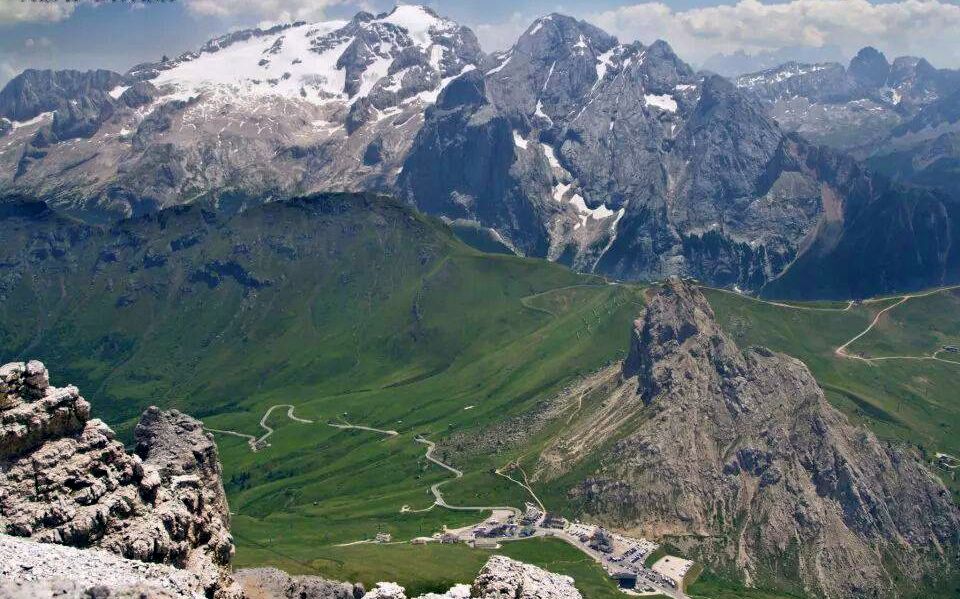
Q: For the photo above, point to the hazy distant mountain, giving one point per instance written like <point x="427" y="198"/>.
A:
<point x="739" y="62"/>
<point x="851" y="107"/>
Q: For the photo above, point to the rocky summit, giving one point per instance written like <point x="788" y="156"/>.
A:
<point x="66" y="479"/>
<point x="736" y="456"/>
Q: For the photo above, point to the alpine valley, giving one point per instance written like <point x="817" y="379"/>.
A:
<point x="369" y="312"/>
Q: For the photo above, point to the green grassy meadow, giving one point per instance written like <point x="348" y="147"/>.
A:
<point x="351" y="309"/>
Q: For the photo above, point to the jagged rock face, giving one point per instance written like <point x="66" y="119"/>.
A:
<point x="624" y="160"/>
<point x="737" y="456"/>
<point x="34" y="92"/>
<point x="65" y="479"/>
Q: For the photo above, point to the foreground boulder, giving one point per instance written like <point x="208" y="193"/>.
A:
<point x="65" y="479"/>
<point x="736" y="456"/>
<point x="504" y="578"/>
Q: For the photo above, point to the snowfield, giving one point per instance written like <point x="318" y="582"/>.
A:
<point x="310" y="61"/>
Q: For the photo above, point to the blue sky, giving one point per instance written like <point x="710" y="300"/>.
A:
<point x="117" y="35"/>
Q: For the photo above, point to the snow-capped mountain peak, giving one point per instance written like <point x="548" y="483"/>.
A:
<point x="403" y="55"/>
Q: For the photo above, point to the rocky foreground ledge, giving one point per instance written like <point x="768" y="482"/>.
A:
<point x="80" y="517"/>
<point x="65" y="479"/>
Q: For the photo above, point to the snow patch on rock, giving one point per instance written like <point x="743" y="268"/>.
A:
<point x="663" y="102"/>
<point x="519" y="141"/>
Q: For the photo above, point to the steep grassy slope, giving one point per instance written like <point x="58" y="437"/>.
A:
<point x="351" y="308"/>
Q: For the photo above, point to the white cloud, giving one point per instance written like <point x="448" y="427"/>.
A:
<point x="15" y="11"/>
<point x="272" y="11"/>
<point x="498" y="36"/>
<point x="927" y="28"/>
<point x="37" y="42"/>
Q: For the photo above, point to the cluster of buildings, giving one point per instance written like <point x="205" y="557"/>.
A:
<point x="531" y="516"/>
<point x="672" y="568"/>
<point x="622" y="556"/>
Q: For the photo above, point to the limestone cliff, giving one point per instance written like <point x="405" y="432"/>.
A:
<point x="735" y="455"/>
<point x="65" y="479"/>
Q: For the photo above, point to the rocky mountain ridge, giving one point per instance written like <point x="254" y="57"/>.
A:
<point x="614" y="158"/>
<point x="253" y="115"/>
<point x="900" y="117"/>
<point x="619" y="159"/>
<point x="735" y="456"/>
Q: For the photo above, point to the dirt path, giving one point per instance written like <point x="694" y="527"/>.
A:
<point x="347" y="426"/>
<point x="842" y="350"/>
<point x="526" y="481"/>
<point x="256" y="443"/>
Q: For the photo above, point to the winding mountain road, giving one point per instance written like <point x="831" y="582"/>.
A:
<point x="256" y="443"/>
<point x="847" y="308"/>
<point x="348" y="426"/>
<point x="438" y="499"/>
<point x="842" y="350"/>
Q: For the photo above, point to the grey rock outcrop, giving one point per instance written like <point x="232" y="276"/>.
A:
<point x="65" y="479"/>
<point x="30" y="570"/>
<point x="264" y="583"/>
<point x="504" y="578"/>
<point x="36" y="91"/>
<point x="500" y="578"/>
<point x="736" y="456"/>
